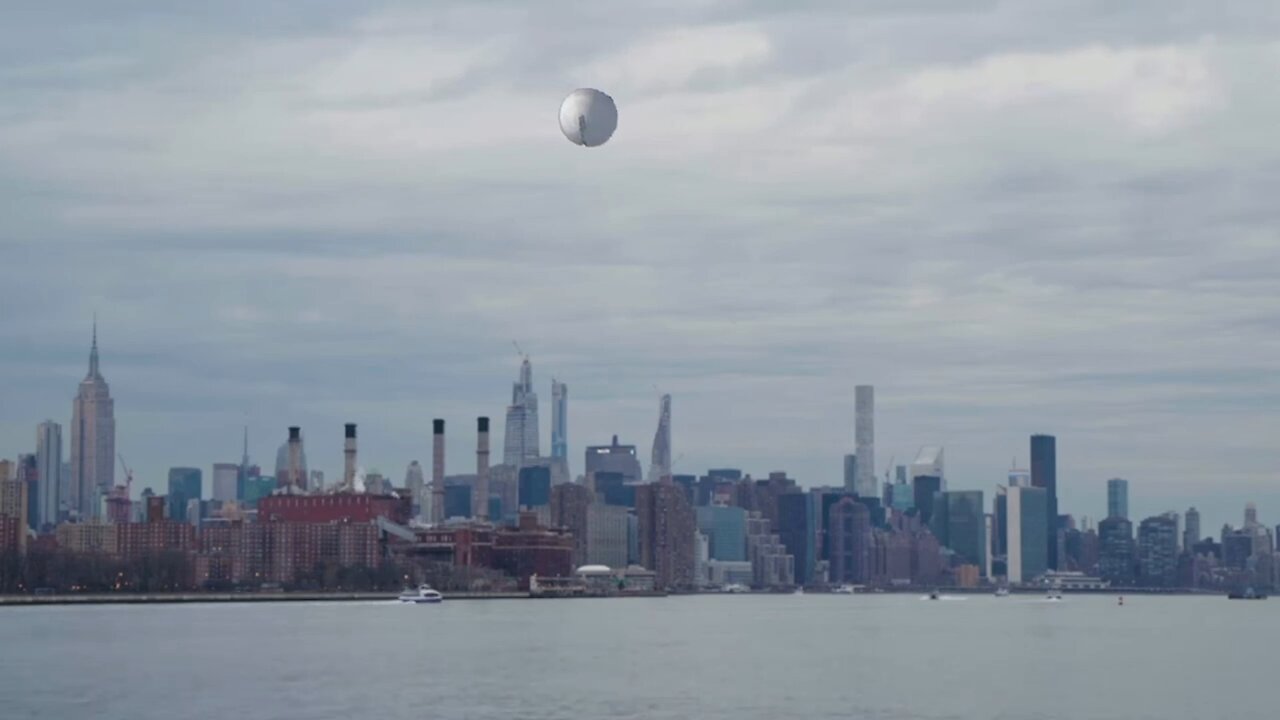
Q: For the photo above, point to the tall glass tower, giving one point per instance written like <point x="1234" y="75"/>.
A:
<point x="660" y="461"/>
<point x="520" y="443"/>
<point x="1118" y="498"/>
<point x="1044" y="474"/>
<point x="560" y="421"/>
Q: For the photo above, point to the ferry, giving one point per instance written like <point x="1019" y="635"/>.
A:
<point x="1248" y="594"/>
<point x="843" y="590"/>
<point x="423" y="595"/>
<point x="1002" y="592"/>
<point x="736" y="588"/>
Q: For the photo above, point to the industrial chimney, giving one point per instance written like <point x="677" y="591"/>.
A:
<point x="481" y="509"/>
<point x="349" y="455"/>
<point x="437" y="472"/>
<point x="295" y="456"/>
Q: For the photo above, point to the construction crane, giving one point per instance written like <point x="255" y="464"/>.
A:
<point x="888" y="469"/>
<point x="128" y="476"/>
<point x="518" y="350"/>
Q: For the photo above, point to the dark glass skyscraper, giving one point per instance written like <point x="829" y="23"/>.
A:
<point x="1118" y="498"/>
<point x="959" y="522"/>
<point x="184" y="485"/>
<point x="1116" y="556"/>
<point x="1158" y="551"/>
<point x="795" y="528"/>
<point x="1044" y="474"/>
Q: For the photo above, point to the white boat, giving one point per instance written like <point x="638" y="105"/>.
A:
<point x="736" y="588"/>
<point x="1002" y="592"/>
<point x="843" y="590"/>
<point x="423" y="595"/>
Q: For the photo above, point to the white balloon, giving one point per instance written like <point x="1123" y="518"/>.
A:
<point x="588" y="117"/>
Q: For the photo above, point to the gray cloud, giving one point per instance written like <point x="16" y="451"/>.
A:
<point x="1009" y="217"/>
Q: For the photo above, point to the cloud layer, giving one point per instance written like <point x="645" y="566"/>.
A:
<point x="1010" y="218"/>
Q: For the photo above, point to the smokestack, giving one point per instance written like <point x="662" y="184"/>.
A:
<point x="481" y="509"/>
<point x="295" y="456"/>
<point x="437" y="472"/>
<point x="349" y="455"/>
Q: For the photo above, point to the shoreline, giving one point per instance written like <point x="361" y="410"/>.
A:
<point x="216" y="597"/>
<point x="261" y="597"/>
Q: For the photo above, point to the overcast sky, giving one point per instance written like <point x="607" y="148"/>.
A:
<point x="1010" y="217"/>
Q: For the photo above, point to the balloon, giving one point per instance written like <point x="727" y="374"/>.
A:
<point x="588" y="117"/>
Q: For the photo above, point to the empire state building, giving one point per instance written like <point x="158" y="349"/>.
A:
<point x="93" y="441"/>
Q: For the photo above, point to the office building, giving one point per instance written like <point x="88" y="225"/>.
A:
<point x="1019" y="477"/>
<point x="1191" y="535"/>
<point x="93" y="441"/>
<point x="1044" y="474"/>
<point x="184" y="484"/>
<point x="48" y="474"/>
<point x="666" y="527"/>
<point x="570" y="505"/>
<point x="1118" y="498"/>
<point x="929" y="463"/>
<point x="608" y="535"/>
<point x="959" y="522"/>
<point x="772" y="566"/>
<point x="520" y="442"/>
<point x="415" y="480"/>
<point x="534" y="489"/>
<point x="864" y="432"/>
<point x="225" y="479"/>
<point x="1116" y="554"/>
<point x="796" y="528"/>
<point x="614" y="458"/>
<point x="457" y="501"/>
<point x="1027" y="519"/>
<point x="851" y="474"/>
<point x="1158" y="551"/>
<point x="926" y="489"/>
<point x="849" y="535"/>
<point x="726" y="531"/>
<point x="560" y="424"/>
<point x="660" y="460"/>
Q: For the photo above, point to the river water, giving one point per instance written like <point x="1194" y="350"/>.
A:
<point x="740" y="657"/>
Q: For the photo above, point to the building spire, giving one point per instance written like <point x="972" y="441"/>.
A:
<point x="93" y="350"/>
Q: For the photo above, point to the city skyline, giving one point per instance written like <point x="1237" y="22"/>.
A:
<point x="927" y="460"/>
<point x="1089" y="251"/>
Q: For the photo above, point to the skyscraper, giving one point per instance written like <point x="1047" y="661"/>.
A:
<point x="851" y="474"/>
<point x="929" y="462"/>
<point x="521" y="440"/>
<point x="1116" y="556"/>
<point x="1118" y="498"/>
<point x="660" y="461"/>
<point x="560" y="423"/>
<point x="224" y="481"/>
<point x="849" y="540"/>
<point x="415" y="481"/>
<point x="1044" y="474"/>
<point x="1191" y="535"/>
<point x="666" y="528"/>
<point x="1250" y="515"/>
<point x="1028" y="516"/>
<point x="864" y="437"/>
<point x="613" y="458"/>
<point x="1158" y="550"/>
<point x="93" y="440"/>
<point x="48" y="473"/>
<point x="959" y="522"/>
<point x="184" y="484"/>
